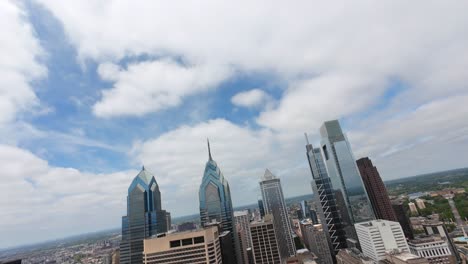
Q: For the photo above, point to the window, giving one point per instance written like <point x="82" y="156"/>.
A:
<point x="198" y="240"/>
<point x="187" y="241"/>
<point x="174" y="243"/>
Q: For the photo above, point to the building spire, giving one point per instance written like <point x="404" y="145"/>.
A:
<point x="209" y="149"/>
<point x="307" y="139"/>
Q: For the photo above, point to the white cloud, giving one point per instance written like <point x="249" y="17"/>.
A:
<point x="55" y="200"/>
<point x="152" y="86"/>
<point x="20" y="52"/>
<point x="251" y="98"/>
<point x="178" y="159"/>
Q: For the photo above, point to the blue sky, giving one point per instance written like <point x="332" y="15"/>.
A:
<point x="90" y="91"/>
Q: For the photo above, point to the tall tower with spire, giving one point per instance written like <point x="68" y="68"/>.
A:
<point x="215" y="200"/>
<point x="274" y="204"/>
<point x="145" y="217"/>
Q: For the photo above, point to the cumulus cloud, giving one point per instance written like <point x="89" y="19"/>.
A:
<point x="20" y="54"/>
<point x="177" y="157"/>
<point x="251" y="98"/>
<point x="152" y="86"/>
<point x="56" y="200"/>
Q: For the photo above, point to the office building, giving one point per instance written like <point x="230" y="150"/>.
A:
<point x="168" y="221"/>
<point x="215" y="200"/>
<point x="145" y="217"/>
<point x="433" y="248"/>
<point x="324" y="197"/>
<point x="403" y="218"/>
<point x="200" y="246"/>
<point x="438" y="228"/>
<point x="265" y="248"/>
<point x="315" y="239"/>
<point x="261" y="208"/>
<point x="350" y="193"/>
<point x="376" y="190"/>
<point x="413" y="209"/>
<point x="402" y="257"/>
<point x="273" y="201"/>
<point x="420" y="203"/>
<point x="186" y="226"/>
<point x="378" y="236"/>
<point x="242" y="222"/>
<point x="305" y="209"/>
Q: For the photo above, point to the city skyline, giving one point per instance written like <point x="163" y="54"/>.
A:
<point x="91" y="92"/>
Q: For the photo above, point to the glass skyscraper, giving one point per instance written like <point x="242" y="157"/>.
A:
<point x="351" y="196"/>
<point x="215" y="199"/>
<point x="323" y="193"/>
<point x="273" y="202"/>
<point x="144" y="218"/>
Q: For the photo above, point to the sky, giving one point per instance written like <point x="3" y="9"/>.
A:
<point x="92" y="90"/>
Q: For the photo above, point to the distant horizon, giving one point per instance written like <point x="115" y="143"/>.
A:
<point x="187" y="215"/>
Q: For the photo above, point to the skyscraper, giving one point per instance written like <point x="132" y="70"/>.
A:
<point x="351" y="196"/>
<point x="324" y="196"/>
<point x="380" y="236"/>
<point x="376" y="190"/>
<point x="403" y="219"/>
<point x="144" y="218"/>
<point x="273" y="201"/>
<point x="215" y="199"/>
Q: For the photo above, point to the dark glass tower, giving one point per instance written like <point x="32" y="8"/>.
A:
<point x="376" y="190"/>
<point x="144" y="218"/>
<point x="215" y="200"/>
<point x="323" y="193"/>
<point x="351" y="196"/>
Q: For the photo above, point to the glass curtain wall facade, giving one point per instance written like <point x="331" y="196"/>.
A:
<point x="351" y="196"/>
<point x="144" y="218"/>
<point x="273" y="202"/>
<point x="215" y="200"/>
<point x="323" y="193"/>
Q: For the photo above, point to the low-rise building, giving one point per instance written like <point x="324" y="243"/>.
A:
<point x="434" y="248"/>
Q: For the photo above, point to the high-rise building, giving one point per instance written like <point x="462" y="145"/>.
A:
<point x="400" y="213"/>
<point x="215" y="199"/>
<point x="376" y="190"/>
<point x="200" y="246"/>
<point x="316" y="240"/>
<point x="273" y="201"/>
<point x="351" y="196"/>
<point x="265" y="248"/>
<point x="434" y="248"/>
<point x="145" y="217"/>
<point x="305" y="209"/>
<point x="242" y="222"/>
<point x="324" y="196"/>
<point x="378" y="236"/>
<point x="168" y="221"/>
<point x="261" y="208"/>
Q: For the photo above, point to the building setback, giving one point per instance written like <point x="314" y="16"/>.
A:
<point x="144" y="218"/>
<point x="273" y="201"/>
<point x="376" y="190"/>
<point x="379" y="236"/>
<point x="265" y="248"/>
<point x="200" y="246"/>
